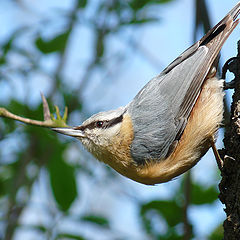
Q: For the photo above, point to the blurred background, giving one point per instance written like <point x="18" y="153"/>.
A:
<point x="95" y="55"/>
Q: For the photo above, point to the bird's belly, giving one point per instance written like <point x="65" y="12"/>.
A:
<point x="202" y="126"/>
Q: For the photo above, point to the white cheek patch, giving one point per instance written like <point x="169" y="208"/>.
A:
<point x="103" y="136"/>
<point x="112" y="131"/>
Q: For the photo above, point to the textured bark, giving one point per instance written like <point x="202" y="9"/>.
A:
<point x="230" y="184"/>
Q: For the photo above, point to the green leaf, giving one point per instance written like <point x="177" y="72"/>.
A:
<point x="72" y="101"/>
<point x="169" y="210"/>
<point x="7" y="173"/>
<point x="82" y="3"/>
<point x="17" y="107"/>
<point x="62" y="178"/>
<point x="21" y="109"/>
<point x="170" y="235"/>
<point x="201" y="195"/>
<point x="141" y="20"/>
<point x="67" y="236"/>
<point x="99" y="44"/>
<point x="139" y="4"/>
<point x="217" y="234"/>
<point x="7" y="46"/>
<point x="99" y="220"/>
<point x="39" y="227"/>
<point x="3" y="189"/>
<point x="57" y="44"/>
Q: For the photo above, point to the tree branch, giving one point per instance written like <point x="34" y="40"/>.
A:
<point x="49" y="120"/>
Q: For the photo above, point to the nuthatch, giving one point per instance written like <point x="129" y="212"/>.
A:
<point x="171" y="122"/>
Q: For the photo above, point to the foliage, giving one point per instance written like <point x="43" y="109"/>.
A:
<point x="171" y="214"/>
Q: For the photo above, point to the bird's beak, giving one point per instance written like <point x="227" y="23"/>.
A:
<point x="72" y="131"/>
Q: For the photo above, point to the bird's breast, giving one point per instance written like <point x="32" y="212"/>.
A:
<point x="202" y="125"/>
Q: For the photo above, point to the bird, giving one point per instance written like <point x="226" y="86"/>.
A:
<point x="171" y="122"/>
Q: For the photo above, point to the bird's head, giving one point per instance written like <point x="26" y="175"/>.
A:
<point x="100" y="133"/>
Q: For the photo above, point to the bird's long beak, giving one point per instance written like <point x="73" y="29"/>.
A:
<point x="73" y="132"/>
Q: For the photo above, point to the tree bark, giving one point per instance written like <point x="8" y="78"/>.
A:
<point x="230" y="184"/>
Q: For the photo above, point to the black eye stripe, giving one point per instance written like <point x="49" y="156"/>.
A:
<point x="101" y="124"/>
<point x="115" y="121"/>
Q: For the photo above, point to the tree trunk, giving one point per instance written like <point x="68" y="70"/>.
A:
<point x="230" y="184"/>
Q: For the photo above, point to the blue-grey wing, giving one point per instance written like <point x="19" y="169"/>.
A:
<point x="161" y="109"/>
<point x="155" y="109"/>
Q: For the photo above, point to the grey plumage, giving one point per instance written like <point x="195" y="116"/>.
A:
<point x="155" y="122"/>
<point x="161" y="109"/>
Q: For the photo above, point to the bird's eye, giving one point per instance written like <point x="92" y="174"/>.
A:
<point x="99" y="124"/>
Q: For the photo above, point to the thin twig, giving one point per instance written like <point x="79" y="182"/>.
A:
<point x="5" y="113"/>
<point x="46" y="123"/>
